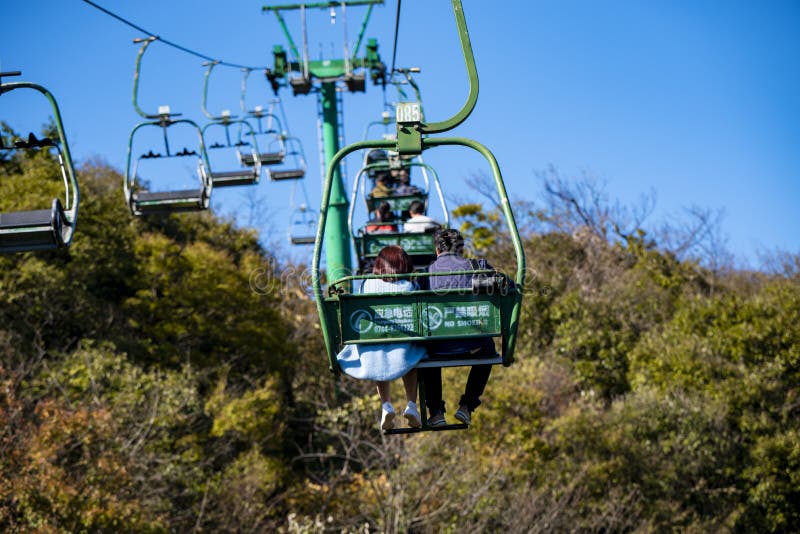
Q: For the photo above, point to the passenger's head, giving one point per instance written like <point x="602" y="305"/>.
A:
<point x="383" y="212"/>
<point x="392" y="260"/>
<point x="448" y="240"/>
<point x="402" y="175"/>
<point x="376" y="156"/>
<point x="416" y="208"/>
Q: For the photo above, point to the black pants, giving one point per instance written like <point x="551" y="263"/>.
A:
<point x="476" y="383"/>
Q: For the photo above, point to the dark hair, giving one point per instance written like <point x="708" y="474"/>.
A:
<point x="392" y="260"/>
<point x="404" y="177"/>
<point x="449" y="240"/>
<point x="383" y="212"/>
<point x="376" y="155"/>
<point x="416" y="207"/>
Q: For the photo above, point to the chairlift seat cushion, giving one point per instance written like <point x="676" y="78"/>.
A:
<point x="170" y="201"/>
<point x="287" y="175"/>
<point x="222" y="179"/>
<point x="396" y="202"/>
<point x="419" y="316"/>
<point x="22" y="219"/>
<point x="416" y="245"/>
<point x="267" y="158"/>
<point x="34" y="229"/>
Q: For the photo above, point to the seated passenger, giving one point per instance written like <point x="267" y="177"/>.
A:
<point x="449" y="249"/>
<point x="418" y="222"/>
<point x="383" y="185"/>
<point x="402" y="178"/>
<point x="387" y="361"/>
<point x="374" y="158"/>
<point x="381" y="220"/>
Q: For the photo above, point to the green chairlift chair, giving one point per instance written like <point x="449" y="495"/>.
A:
<point x="302" y="226"/>
<point x="144" y="202"/>
<point x="491" y="308"/>
<point x="419" y="246"/>
<point x="49" y="228"/>
<point x="295" y="167"/>
<point x="244" y="143"/>
<point x="271" y="133"/>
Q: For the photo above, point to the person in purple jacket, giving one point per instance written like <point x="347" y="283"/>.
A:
<point x="449" y="248"/>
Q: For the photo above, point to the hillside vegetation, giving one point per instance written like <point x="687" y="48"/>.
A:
<point x="167" y="374"/>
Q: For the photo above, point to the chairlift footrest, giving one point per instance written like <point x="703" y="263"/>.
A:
<point x="459" y="361"/>
<point x="408" y="430"/>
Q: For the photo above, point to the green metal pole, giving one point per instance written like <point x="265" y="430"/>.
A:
<point x="337" y="234"/>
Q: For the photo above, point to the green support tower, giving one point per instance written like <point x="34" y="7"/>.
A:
<point x="322" y="76"/>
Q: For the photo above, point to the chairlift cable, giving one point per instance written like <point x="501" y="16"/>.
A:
<point x="167" y="42"/>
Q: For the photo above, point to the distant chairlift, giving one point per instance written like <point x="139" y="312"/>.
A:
<point x="294" y="166"/>
<point x="271" y="133"/>
<point x="419" y="246"/>
<point x="44" y="228"/>
<point x="302" y="226"/>
<point x="244" y="148"/>
<point x="142" y="201"/>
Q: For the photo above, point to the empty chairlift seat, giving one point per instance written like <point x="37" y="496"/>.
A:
<point x="35" y="229"/>
<point x="41" y="229"/>
<point x="145" y="202"/>
<point x="302" y="226"/>
<point x="294" y="164"/>
<point x="249" y="174"/>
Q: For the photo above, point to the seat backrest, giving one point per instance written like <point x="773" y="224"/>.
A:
<point x="419" y="315"/>
<point x="396" y="202"/>
<point x="370" y="245"/>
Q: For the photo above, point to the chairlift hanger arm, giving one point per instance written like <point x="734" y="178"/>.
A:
<point x="223" y="117"/>
<point x="74" y="194"/>
<point x="472" y="71"/>
<point x="145" y="43"/>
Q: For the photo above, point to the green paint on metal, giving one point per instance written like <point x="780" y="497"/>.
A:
<point x="337" y="243"/>
<point x="327" y="68"/>
<point x="287" y="34"/>
<point x="419" y="315"/>
<point x="472" y="72"/>
<point x="369" y="245"/>
<point x="136" y="74"/>
<point x="361" y="35"/>
<point x="72" y="197"/>
<point x="280" y="64"/>
<point x="222" y="117"/>
<point x="396" y="202"/>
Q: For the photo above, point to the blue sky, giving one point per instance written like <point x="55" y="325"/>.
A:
<point x="696" y="100"/>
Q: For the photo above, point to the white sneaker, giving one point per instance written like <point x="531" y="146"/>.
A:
<point x="387" y="416"/>
<point x="412" y="415"/>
